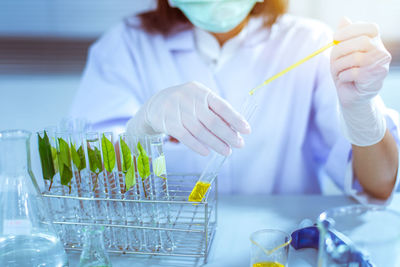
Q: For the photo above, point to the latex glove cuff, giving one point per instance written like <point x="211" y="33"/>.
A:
<point x="363" y="124"/>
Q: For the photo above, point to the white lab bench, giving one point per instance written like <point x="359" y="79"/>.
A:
<point x="238" y="217"/>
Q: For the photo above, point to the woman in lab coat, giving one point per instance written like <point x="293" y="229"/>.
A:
<point x="185" y="69"/>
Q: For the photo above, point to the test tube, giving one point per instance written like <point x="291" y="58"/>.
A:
<point x="161" y="193"/>
<point x="99" y="183"/>
<point x="149" y="216"/>
<point x="216" y="160"/>
<point x="132" y="192"/>
<point x="82" y="179"/>
<point x="116" y="209"/>
<point x="48" y="160"/>
<point x="68" y="187"/>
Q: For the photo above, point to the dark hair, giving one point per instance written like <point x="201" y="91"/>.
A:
<point x="167" y="20"/>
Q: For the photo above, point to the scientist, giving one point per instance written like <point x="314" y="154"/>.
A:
<point x="185" y="68"/>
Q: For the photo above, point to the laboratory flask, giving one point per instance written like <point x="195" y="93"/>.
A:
<point x="94" y="252"/>
<point x="27" y="237"/>
<point x="359" y="235"/>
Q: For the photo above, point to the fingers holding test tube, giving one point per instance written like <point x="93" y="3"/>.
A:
<point x="195" y="116"/>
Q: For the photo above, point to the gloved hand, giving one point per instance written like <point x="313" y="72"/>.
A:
<point x="195" y="116"/>
<point x="359" y="64"/>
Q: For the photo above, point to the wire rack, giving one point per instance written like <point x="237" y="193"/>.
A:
<point x="192" y="224"/>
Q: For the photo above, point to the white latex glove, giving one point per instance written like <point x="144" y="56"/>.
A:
<point x="359" y="65"/>
<point x="195" y="116"/>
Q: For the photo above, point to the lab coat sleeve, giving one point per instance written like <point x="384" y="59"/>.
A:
<point x="110" y="91"/>
<point x="336" y="150"/>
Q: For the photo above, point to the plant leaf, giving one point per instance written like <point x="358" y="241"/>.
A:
<point x="159" y="168"/>
<point x="78" y="157"/>
<point x="46" y="158"/>
<point x="75" y="157"/>
<point x="81" y="154"/>
<point x="66" y="175"/>
<point x="143" y="163"/>
<point x="126" y="156"/>
<point x="107" y="148"/>
<point x="64" y="162"/>
<point x="130" y="178"/>
<point x="55" y="158"/>
<point x="94" y="160"/>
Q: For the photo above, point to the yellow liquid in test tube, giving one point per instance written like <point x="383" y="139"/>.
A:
<point x="199" y="191"/>
<point x="211" y="170"/>
<point x="267" y="264"/>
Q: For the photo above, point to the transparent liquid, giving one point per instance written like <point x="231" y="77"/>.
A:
<point x="31" y="251"/>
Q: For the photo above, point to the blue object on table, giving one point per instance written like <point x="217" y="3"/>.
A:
<point x="309" y="238"/>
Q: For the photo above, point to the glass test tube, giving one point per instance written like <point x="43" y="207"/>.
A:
<point x="116" y="209"/>
<point x="161" y="193"/>
<point x="99" y="184"/>
<point x="67" y="187"/>
<point x="216" y="160"/>
<point x="82" y="178"/>
<point x="132" y="192"/>
<point x="152" y="238"/>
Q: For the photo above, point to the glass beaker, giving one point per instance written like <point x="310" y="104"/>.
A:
<point x="27" y="236"/>
<point x="359" y="235"/>
<point x="94" y="252"/>
<point x="269" y="248"/>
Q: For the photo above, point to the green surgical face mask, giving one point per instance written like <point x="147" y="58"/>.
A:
<point x="215" y="15"/>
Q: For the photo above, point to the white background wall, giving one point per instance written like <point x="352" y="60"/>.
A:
<point x="92" y="17"/>
<point x="386" y="13"/>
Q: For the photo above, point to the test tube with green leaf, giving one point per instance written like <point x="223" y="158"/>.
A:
<point x="46" y="159"/>
<point x="82" y="178"/>
<point x="68" y="186"/>
<point x="117" y="211"/>
<point x="99" y="190"/>
<point x="132" y="192"/>
<point x="145" y="179"/>
<point x="160" y="190"/>
<point x="64" y="160"/>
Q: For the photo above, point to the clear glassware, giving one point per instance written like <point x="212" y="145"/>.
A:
<point x="161" y="192"/>
<point x="27" y="236"/>
<point x="99" y="183"/>
<point x="94" y="252"/>
<point x="133" y="210"/>
<point x="116" y="208"/>
<point x="269" y="248"/>
<point x="145" y="178"/>
<point x="67" y="187"/>
<point x="359" y="235"/>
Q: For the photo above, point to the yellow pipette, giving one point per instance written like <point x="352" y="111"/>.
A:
<point x="216" y="160"/>
<point x="295" y="65"/>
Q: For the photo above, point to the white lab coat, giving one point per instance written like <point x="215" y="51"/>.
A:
<point x="295" y="134"/>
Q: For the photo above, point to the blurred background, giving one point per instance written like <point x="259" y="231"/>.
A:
<point x="43" y="46"/>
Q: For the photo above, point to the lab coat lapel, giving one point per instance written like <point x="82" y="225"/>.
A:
<point x="186" y="62"/>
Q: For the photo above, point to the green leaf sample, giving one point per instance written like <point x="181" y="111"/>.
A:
<point x="126" y="156"/>
<point x="94" y="160"/>
<point x="143" y="163"/>
<point x="64" y="163"/>
<point x="159" y="168"/>
<point x="46" y="158"/>
<point x="130" y="178"/>
<point x="78" y="157"/>
<point x="55" y="158"/>
<point x="107" y="148"/>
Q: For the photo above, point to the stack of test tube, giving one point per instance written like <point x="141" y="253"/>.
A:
<point x="87" y="177"/>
